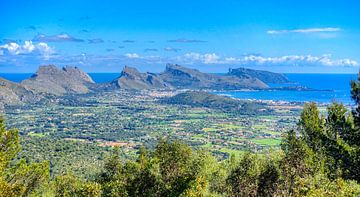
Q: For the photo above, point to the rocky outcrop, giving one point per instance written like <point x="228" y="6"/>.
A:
<point x="12" y="93"/>
<point x="131" y="78"/>
<point x="52" y="80"/>
<point x="181" y="77"/>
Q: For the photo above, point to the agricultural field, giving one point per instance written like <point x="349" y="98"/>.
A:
<point x="94" y="123"/>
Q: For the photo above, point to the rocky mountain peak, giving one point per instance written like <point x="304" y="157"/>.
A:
<point x="50" y="79"/>
<point x="74" y="71"/>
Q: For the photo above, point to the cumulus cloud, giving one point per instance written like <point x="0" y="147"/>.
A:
<point x="305" y="31"/>
<point x="208" y="58"/>
<point x="27" y="48"/>
<point x="184" y="40"/>
<point x="132" y="55"/>
<point x="56" y="38"/>
<point x="289" y="60"/>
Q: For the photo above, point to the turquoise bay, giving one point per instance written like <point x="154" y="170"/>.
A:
<point x="327" y="88"/>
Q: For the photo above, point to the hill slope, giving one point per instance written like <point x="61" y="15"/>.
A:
<point x="181" y="77"/>
<point x="52" y="80"/>
<point x="13" y="93"/>
<point x="131" y="78"/>
<point x="265" y="76"/>
<point x="222" y="103"/>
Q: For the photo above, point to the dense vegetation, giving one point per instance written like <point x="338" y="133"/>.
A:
<point x="265" y="76"/>
<point x="319" y="158"/>
<point x="223" y="103"/>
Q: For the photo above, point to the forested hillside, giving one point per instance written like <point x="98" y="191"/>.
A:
<point x="321" y="157"/>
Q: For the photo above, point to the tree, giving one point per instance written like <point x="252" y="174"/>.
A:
<point x="113" y="179"/>
<point x="17" y="178"/>
<point x="311" y="126"/>
<point x="268" y="180"/>
<point x="338" y="123"/>
<point x="69" y="185"/>
<point x="243" y="179"/>
<point x="354" y="137"/>
<point x="175" y="160"/>
<point x="293" y="165"/>
<point x="9" y="145"/>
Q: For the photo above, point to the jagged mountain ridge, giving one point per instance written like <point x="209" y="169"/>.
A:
<point x="182" y="77"/>
<point x="265" y="76"/>
<point x="14" y="93"/>
<point x="176" y="76"/>
<point x="131" y="78"/>
<point x="52" y="80"/>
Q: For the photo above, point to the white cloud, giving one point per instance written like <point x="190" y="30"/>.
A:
<point x="27" y="48"/>
<point x="132" y="55"/>
<point x="45" y="50"/>
<point x="324" y="60"/>
<point x="289" y="60"/>
<point x="208" y="58"/>
<point x="12" y="48"/>
<point x="306" y="31"/>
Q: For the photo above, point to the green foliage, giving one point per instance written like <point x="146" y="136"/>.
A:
<point x="243" y="179"/>
<point x="338" y="123"/>
<point x="175" y="169"/>
<point x="69" y="185"/>
<point x="354" y="138"/>
<point x="10" y="145"/>
<point x="226" y="104"/>
<point x="84" y="160"/>
<point x="311" y="125"/>
<point x="320" y="158"/>
<point x="268" y="180"/>
<point x="332" y="138"/>
<point x="18" y="178"/>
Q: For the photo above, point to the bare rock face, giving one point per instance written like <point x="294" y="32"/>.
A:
<point x="131" y="78"/>
<point x="181" y="77"/>
<point x="12" y="93"/>
<point x="176" y="76"/>
<point x="75" y="72"/>
<point x="52" y="80"/>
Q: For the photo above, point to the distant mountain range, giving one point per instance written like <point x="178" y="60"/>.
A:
<point x="179" y="77"/>
<point x="53" y="81"/>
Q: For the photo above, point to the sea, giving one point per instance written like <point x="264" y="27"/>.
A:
<point x="326" y="88"/>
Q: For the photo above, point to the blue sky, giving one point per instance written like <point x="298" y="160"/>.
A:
<point x="103" y="36"/>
